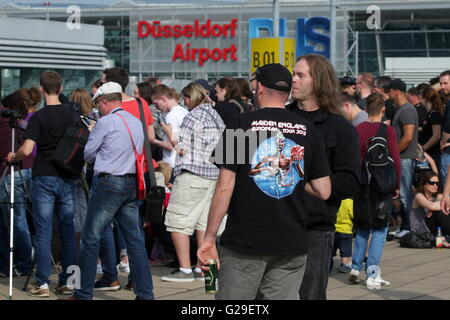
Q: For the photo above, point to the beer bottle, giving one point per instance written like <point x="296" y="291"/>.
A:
<point x="439" y="238"/>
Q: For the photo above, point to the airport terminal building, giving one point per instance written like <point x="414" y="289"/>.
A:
<point x="188" y="40"/>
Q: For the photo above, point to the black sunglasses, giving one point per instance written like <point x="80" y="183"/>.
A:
<point x="433" y="183"/>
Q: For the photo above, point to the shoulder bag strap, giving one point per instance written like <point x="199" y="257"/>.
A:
<point x="147" y="149"/>
<point x="241" y="109"/>
<point x="129" y="132"/>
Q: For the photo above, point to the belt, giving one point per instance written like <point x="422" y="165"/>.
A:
<point x="103" y="174"/>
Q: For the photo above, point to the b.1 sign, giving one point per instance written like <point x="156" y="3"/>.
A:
<point x="309" y="40"/>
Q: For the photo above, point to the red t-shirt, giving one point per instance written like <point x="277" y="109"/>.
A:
<point x="367" y="130"/>
<point x="133" y="108"/>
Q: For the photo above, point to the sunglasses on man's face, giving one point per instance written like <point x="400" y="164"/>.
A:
<point x="433" y="183"/>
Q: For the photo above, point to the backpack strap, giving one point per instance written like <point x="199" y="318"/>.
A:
<point x="382" y="131"/>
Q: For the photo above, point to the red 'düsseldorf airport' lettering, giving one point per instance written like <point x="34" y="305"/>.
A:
<point x="195" y="30"/>
<point x="204" y="54"/>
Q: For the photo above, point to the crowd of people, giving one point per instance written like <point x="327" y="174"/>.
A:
<point x="305" y="189"/>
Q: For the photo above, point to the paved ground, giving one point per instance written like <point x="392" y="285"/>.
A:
<point x="416" y="274"/>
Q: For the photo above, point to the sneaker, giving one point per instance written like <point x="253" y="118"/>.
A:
<point x="343" y="268"/>
<point x="102" y="285"/>
<point x="200" y="276"/>
<point x="179" y="276"/>
<point x="62" y="290"/>
<point x="376" y="283"/>
<point x="401" y="234"/>
<point x="42" y="291"/>
<point x="123" y="267"/>
<point x="353" y="278"/>
<point x="99" y="268"/>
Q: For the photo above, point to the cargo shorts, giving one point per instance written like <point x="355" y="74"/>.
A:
<point x="189" y="203"/>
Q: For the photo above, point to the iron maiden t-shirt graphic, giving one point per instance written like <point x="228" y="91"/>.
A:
<point x="277" y="166"/>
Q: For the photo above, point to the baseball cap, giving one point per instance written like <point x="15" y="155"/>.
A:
<point x="397" y="84"/>
<point x="274" y="76"/>
<point x="205" y="84"/>
<point x="107" y="88"/>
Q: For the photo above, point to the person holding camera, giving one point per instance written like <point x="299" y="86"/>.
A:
<point x="53" y="188"/>
<point x="20" y="106"/>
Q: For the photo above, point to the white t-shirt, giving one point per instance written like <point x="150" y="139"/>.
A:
<point x="174" y="118"/>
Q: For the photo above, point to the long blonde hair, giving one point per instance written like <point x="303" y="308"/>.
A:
<point x="196" y="93"/>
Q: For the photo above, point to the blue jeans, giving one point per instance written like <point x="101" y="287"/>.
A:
<point x="108" y="245"/>
<point x="113" y="198"/>
<point x="375" y="249"/>
<point x="21" y="237"/>
<point x="108" y="256"/>
<point x="445" y="162"/>
<point x="406" y="197"/>
<point x="53" y="195"/>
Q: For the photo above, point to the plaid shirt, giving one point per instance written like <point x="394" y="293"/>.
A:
<point x="199" y="134"/>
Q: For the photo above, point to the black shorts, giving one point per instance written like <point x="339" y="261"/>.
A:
<point x="343" y="242"/>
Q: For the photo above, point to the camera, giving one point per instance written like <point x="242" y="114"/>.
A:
<point x="13" y="114"/>
<point x="347" y="81"/>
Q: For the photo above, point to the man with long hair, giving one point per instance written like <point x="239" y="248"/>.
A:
<point x="315" y="88"/>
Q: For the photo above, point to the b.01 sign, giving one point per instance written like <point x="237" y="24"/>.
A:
<point x="272" y="50"/>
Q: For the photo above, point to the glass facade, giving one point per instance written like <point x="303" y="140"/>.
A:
<point x="405" y="33"/>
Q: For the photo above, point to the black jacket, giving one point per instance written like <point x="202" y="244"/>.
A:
<point x="227" y="109"/>
<point x="342" y="147"/>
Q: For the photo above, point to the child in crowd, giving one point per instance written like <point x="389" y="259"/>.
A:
<point x="343" y="236"/>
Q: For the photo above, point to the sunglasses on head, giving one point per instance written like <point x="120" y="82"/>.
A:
<point x="433" y="183"/>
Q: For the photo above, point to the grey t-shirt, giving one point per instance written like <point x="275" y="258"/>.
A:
<point x="360" y="118"/>
<point x="406" y="114"/>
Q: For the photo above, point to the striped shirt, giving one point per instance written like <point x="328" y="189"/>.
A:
<point x="199" y="134"/>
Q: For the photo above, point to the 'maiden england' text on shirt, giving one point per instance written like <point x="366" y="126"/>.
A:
<point x="284" y="127"/>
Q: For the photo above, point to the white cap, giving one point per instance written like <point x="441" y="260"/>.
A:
<point x="107" y="88"/>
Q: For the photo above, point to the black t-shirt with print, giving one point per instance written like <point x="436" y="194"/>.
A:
<point x="433" y="118"/>
<point x="45" y="128"/>
<point x="280" y="152"/>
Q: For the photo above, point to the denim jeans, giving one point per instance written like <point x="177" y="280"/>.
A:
<point x="108" y="256"/>
<point x="108" y="245"/>
<point x="81" y="207"/>
<point x="53" y="195"/>
<point x="445" y="162"/>
<point x="406" y="197"/>
<point x="113" y="198"/>
<point x="375" y="248"/>
<point x="315" y="280"/>
<point x="21" y="234"/>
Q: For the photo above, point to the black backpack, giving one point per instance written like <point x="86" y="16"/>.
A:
<point x="379" y="170"/>
<point x="69" y="153"/>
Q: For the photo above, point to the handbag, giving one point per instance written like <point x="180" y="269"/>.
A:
<point x="153" y="205"/>
<point x="140" y="179"/>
